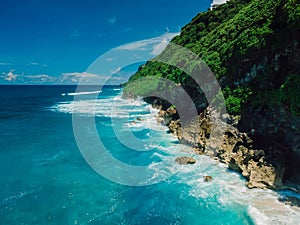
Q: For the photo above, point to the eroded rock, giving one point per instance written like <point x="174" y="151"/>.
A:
<point x="262" y="167"/>
<point x="184" y="160"/>
<point x="208" y="178"/>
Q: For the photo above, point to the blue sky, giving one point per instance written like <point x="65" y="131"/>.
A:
<point x="42" y="41"/>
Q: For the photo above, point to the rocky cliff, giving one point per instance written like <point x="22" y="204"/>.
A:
<point x="253" y="49"/>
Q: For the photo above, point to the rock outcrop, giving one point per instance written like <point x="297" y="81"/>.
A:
<point x="184" y="160"/>
<point x="262" y="167"/>
<point x="208" y="178"/>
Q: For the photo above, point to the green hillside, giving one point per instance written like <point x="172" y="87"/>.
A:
<point x="252" y="46"/>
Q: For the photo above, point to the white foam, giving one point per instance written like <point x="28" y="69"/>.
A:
<point x="229" y="188"/>
<point x="258" y="217"/>
<point x="263" y="205"/>
<point x="83" y="93"/>
<point x="99" y="107"/>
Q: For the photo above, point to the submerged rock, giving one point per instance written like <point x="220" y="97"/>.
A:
<point x="184" y="160"/>
<point x="290" y="200"/>
<point x="208" y="178"/>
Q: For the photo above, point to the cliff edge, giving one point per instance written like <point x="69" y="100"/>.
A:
<point x="253" y="49"/>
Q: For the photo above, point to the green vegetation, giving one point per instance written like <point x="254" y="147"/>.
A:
<point x="142" y="87"/>
<point x="252" y="46"/>
<point x="287" y="94"/>
<point x="234" y="99"/>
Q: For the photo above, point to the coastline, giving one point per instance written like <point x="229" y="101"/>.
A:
<point x="259" y="81"/>
<point x="232" y="149"/>
<point x="265" y="205"/>
<point x="261" y="141"/>
<point x="265" y="176"/>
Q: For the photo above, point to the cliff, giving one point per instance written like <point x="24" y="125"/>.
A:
<point x="253" y="49"/>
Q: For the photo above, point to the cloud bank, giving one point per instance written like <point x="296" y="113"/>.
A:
<point x="156" y="45"/>
<point x="10" y="76"/>
<point x="109" y="68"/>
<point x="65" y="78"/>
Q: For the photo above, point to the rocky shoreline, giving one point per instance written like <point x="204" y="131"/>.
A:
<point x="260" y="137"/>
<point x="262" y="167"/>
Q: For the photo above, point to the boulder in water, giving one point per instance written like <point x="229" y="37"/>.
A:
<point x="184" y="160"/>
<point x="207" y="178"/>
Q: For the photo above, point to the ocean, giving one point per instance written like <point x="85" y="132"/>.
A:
<point x="49" y="177"/>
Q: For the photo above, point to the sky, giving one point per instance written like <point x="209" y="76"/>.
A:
<point x="58" y="41"/>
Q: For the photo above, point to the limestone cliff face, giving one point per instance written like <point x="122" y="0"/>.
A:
<point x="263" y="167"/>
<point x="253" y="49"/>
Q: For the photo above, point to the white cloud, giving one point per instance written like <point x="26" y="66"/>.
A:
<point x="36" y="76"/>
<point x="157" y="49"/>
<point x="79" y="74"/>
<point x="106" y="69"/>
<point x="64" y="78"/>
<point x="112" y="20"/>
<point x="83" y="78"/>
<point x="40" y="77"/>
<point x="10" y="76"/>
<point x="71" y="77"/>
<point x="139" y="45"/>
<point x="149" y="44"/>
<point x="86" y="78"/>
<point x="128" y="55"/>
<point x="218" y="2"/>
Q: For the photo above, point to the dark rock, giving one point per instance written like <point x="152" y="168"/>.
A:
<point x="290" y="200"/>
<point x="208" y="178"/>
<point x="184" y="160"/>
<point x="233" y="165"/>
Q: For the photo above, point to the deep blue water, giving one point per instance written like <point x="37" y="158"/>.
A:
<point x="45" y="179"/>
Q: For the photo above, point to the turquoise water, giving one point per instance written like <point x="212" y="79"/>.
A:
<point x="45" y="179"/>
